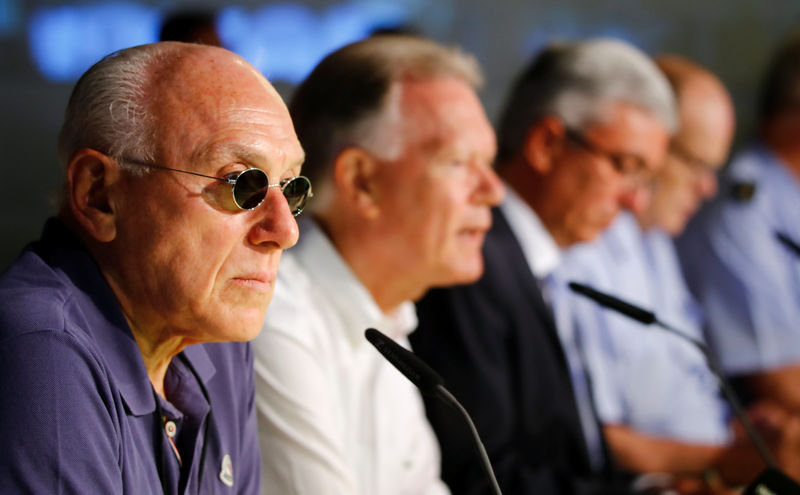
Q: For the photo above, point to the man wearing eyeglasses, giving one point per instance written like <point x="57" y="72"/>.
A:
<point x="400" y="151"/>
<point x="585" y="126"/>
<point x="658" y="401"/>
<point x="697" y="151"/>
<point x="124" y="364"/>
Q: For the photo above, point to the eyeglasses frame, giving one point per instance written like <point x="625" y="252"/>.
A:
<point x="696" y="165"/>
<point x="637" y="176"/>
<point x="232" y="181"/>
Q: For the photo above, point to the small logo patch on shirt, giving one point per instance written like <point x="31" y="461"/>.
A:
<point x="226" y="471"/>
<point x="743" y="191"/>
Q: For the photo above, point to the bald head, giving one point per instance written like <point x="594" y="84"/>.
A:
<point x="199" y="87"/>
<point x="697" y="150"/>
<point x="117" y="103"/>
<point x="705" y="110"/>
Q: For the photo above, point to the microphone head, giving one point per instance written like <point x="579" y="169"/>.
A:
<point x="788" y="242"/>
<point x="774" y="481"/>
<point x="415" y="369"/>
<point x="608" y="301"/>
<point x="579" y="288"/>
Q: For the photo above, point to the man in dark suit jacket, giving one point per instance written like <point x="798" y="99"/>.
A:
<point x="584" y="127"/>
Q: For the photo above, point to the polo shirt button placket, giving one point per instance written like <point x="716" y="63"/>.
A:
<point x="171" y="430"/>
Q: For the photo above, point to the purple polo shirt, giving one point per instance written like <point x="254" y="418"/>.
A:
<point x="78" y="413"/>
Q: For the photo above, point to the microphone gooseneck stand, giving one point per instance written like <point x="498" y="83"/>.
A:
<point x="649" y="318"/>
<point x="772" y="480"/>
<point x="788" y="242"/>
<point x="445" y="395"/>
<point x="738" y="410"/>
<point x="430" y="383"/>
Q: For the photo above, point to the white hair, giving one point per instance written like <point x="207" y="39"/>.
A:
<point x="108" y="110"/>
<point x="351" y="99"/>
<point x="576" y="82"/>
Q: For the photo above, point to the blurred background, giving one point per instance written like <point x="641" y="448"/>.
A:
<point x="46" y="45"/>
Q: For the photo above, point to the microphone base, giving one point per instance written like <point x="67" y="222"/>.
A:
<point x="772" y="482"/>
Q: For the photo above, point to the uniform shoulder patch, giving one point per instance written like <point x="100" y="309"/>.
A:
<point x="743" y="191"/>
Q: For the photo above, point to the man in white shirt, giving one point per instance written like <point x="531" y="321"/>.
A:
<point x="650" y="380"/>
<point x="400" y="151"/>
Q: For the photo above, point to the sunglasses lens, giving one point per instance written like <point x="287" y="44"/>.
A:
<point x="297" y="191"/>
<point x="250" y="188"/>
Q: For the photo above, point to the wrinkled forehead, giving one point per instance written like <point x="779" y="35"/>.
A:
<point x="631" y="130"/>
<point x="707" y="126"/>
<point x="445" y="110"/>
<point x="206" y="84"/>
<point x="215" y="95"/>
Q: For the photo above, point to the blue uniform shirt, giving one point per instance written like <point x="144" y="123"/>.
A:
<point x="643" y="377"/>
<point x="748" y="282"/>
<point x="79" y="415"/>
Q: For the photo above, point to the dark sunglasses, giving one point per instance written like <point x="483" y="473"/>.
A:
<point x="250" y="187"/>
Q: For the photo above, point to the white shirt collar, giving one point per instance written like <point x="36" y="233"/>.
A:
<point x="540" y="250"/>
<point x="621" y="237"/>
<point x="336" y="280"/>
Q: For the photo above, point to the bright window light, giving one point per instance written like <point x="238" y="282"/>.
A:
<point x="286" y="40"/>
<point x="65" y="41"/>
<point x="283" y="40"/>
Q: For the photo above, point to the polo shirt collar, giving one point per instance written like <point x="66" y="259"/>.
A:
<point x="105" y="322"/>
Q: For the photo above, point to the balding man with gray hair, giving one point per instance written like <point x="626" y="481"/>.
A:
<point x="584" y="128"/>
<point x="124" y="365"/>
<point x="401" y="151"/>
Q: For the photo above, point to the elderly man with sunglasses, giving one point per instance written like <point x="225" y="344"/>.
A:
<point x="124" y="364"/>
<point x="401" y="152"/>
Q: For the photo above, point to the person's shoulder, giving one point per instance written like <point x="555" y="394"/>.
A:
<point x="32" y="297"/>
<point x="43" y="334"/>
<point x="741" y="203"/>
<point x="743" y="181"/>
<point x="40" y="308"/>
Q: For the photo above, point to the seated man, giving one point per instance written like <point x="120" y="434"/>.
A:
<point x="123" y="361"/>
<point x="659" y="402"/>
<point x="401" y="150"/>
<point x="746" y="279"/>
<point x="583" y="128"/>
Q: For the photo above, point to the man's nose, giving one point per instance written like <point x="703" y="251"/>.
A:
<point x="707" y="184"/>
<point x="275" y="224"/>
<point x="635" y="197"/>
<point x="490" y="188"/>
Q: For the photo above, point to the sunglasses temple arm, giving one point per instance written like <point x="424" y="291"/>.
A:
<point x="150" y="165"/>
<point x="229" y="181"/>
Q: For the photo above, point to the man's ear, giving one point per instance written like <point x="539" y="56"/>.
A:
<point x="91" y="177"/>
<point x="543" y="144"/>
<point x="354" y="172"/>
